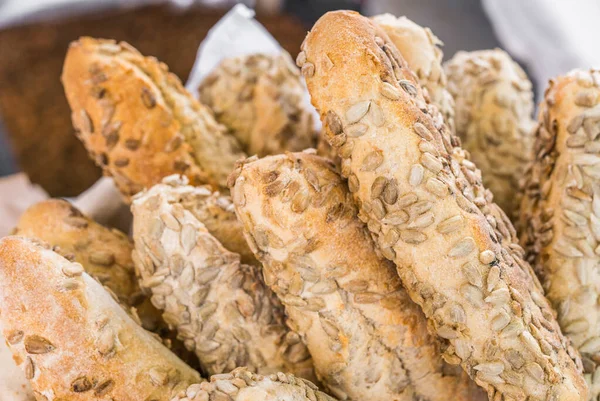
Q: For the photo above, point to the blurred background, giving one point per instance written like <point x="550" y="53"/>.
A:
<point x="548" y="37"/>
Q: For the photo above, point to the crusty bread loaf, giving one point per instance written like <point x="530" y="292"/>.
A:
<point x="494" y="108"/>
<point x="72" y="340"/>
<point x="560" y="216"/>
<point x="369" y="341"/>
<point x="259" y="98"/>
<point x="14" y="386"/>
<point x="138" y="122"/>
<point x="105" y="254"/>
<point x="220" y="307"/>
<point x="216" y="212"/>
<point x="243" y="385"/>
<point x="454" y="249"/>
<point x="421" y="50"/>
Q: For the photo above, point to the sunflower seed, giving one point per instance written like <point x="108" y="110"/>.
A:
<point x="372" y="160"/>
<point x="329" y="328"/>
<point x="462" y="349"/>
<point x="170" y="221"/>
<point x="447" y="332"/>
<point x="500" y="321"/>
<point x="535" y="371"/>
<point x="356" y="130"/>
<point x="15" y="337"/>
<point x="472" y="294"/>
<point x="308" y="69"/>
<point x="390" y="193"/>
<point x="389" y="91"/>
<point x="493" y="278"/>
<point x="457" y="314"/>
<point x="408" y="199"/>
<point x="436" y="187"/>
<point x="87" y="126"/>
<point x="353" y="184"/>
<point x="358" y="111"/>
<point x="73" y="270"/>
<point x="38" y="345"/>
<point x="378" y="186"/>
<point x="490" y="368"/>
<point x="416" y="175"/>
<point x="430" y="162"/>
<point x="586" y="98"/>
<point x="462" y="248"/>
<point x="408" y="87"/>
<point x="530" y="342"/>
<point x="377" y="115"/>
<point x="422" y="221"/>
<point x="451" y="224"/>
<point x="81" y="385"/>
<point x="422" y="131"/>
<point x="106" y="342"/>
<point x="345" y="151"/>
<point x="395" y="218"/>
<point x="575" y="123"/>
<point x="334" y="123"/>
<point x="324" y="287"/>
<point x="188" y="238"/>
<point x="413" y="236"/>
<point x="498" y="297"/>
<point x="486" y="257"/>
<point x="472" y="274"/>
<point x="148" y="98"/>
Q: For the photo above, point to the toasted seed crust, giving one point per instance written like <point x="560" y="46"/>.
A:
<point x="367" y="338"/>
<point x="422" y="51"/>
<point x="560" y="216"/>
<point x="439" y="271"/>
<point x="217" y="214"/>
<point x="494" y="108"/>
<point x="138" y="122"/>
<point x="259" y="98"/>
<point x="243" y="385"/>
<point x="220" y="307"/>
<point x="72" y="339"/>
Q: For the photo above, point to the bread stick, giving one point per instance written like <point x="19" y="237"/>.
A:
<point x="561" y="210"/>
<point x="369" y="341"/>
<point x="72" y="340"/>
<point x="453" y="249"/>
<point x="494" y="108"/>
<point x="220" y="307"/>
<point x="243" y="385"/>
<point x="259" y="98"/>
<point x="137" y="120"/>
<point x="422" y="51"/>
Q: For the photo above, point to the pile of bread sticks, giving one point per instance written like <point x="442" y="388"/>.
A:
<point x="376" y="268"/>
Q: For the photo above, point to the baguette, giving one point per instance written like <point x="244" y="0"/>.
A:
<point x="421" y="50"/>
<point x="73" y="341"/>
<point x="369" y="341"/>
<point x="220" y="307"/>
<point x="560" y="216"/>
<point x="138" y="122"/>
<point x="259" y="98"/>
<point x="494" y="108"/>
<point x="243" y="385"/>
<point x="453" y="248"/>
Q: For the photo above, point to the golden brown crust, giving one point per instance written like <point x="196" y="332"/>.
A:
<point x="138" y="122"/>
<point x="560" y="216"/>
<point x="259" y="98"/>
<point x="105" y="254"/>
<point x="455" y="251"/>
<point x="369" y="341"/>
<point x="220" y="307"/>
<point x="494" y="108"/>
<point x="422" y="51"/>
<point x="72" y="339"/>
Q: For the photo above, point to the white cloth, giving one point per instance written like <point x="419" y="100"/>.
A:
<point x="551" y="37"/>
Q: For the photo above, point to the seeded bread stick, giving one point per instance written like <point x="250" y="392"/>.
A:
<point x="72" y="340"/>
<point x="259" y="98"/>
<point x="243" y="385"/>
<point x="137" y="120"/>
<point x="437" y="223"/>
<point x="494" y="108"/>
<point x="560" y="213"/>
<point x="367" y="338"/>
<point x="421" y="50"/>
<point x="220" y="307"/>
